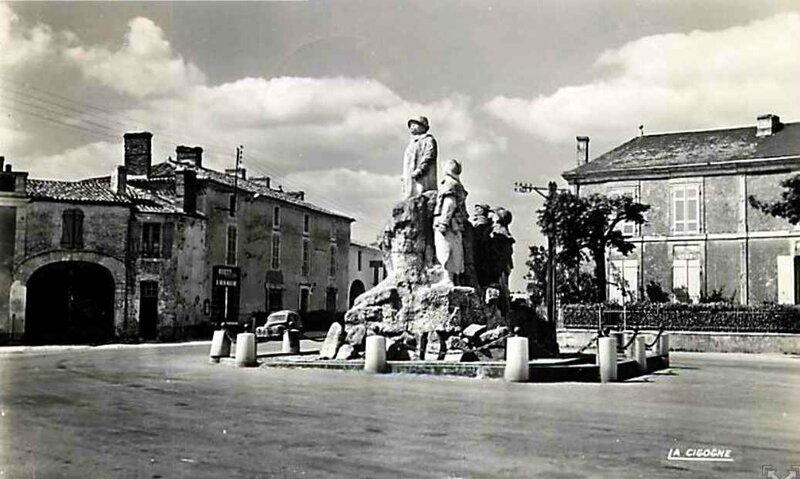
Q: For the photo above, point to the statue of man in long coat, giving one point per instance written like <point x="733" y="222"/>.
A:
<point x="419" y="160"/>
<point x="449" y="217"/>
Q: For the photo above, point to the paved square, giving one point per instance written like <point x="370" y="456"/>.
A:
<point x="165" y="412"/>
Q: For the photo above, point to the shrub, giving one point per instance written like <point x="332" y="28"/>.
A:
<point x="721" y="316"/>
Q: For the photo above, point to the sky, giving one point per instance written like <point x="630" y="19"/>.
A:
<point x="318" y="93"/>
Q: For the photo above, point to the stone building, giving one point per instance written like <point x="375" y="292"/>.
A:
<point x="160" y="251"/>
<point x="702" y="236"/>
<point x="366" y="269"/>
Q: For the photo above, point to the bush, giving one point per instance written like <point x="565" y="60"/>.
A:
<point x="721" y="317"/>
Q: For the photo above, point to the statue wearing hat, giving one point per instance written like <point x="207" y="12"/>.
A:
<point x="419" y="160"/>
<point x="481" y="230"/>
<point x="500" y="254"/>
<point x="449" y="217"/>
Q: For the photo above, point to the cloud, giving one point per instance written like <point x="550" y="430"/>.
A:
<point x="144" y="66"/>
<point x="90" y="160"/>
<point x="292" y="123"/>
<point x="21" y="45"/>
<point x="339" y="138"/>
<point x="675" y="81"/>
<point x="367" y="196"/>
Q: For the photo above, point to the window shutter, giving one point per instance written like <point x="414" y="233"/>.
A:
<point x="67" y="226"/>
<point x="78" y="229"/>
<point x="166" y="239"/>
<point x="136" y="238"/>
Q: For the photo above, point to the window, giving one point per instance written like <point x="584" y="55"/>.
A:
<point x="333" y="261"/>
<point x="232" y="205"/>
<point x="231" y="253"/>
<point x="276" y="217"/>
<point x="306" y="266"/>
<point x="360" y="260"/>
<point x="333" y="231"/>
<point x="306" y="224"/>
<point x="151" y="240"/>
<point x="686" y="273"/>
<point x="623" y="280"/>
<point x="627" y="228"/>
<point x="72" y="229"/>
<point x="686" y="209"/>
<point x="276" y="252"/>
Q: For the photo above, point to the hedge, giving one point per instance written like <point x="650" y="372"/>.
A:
<point x="721" y="317"/>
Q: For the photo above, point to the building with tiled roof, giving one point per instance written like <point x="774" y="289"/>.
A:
<point x="160" y="251"/>
<point x="702" y="237"/>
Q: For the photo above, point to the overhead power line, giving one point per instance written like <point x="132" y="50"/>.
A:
<point x="94" y="120"/>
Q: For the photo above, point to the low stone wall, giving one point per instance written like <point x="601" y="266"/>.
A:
<point x="702" y="341"/>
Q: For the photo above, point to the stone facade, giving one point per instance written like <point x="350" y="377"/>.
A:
<point x="149" y="242"/>
<point x="717" y="242"/>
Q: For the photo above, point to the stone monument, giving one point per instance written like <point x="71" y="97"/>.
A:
<point x="430" y="301"/>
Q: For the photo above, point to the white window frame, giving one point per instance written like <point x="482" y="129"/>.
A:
<point x="627" y="228"/>
<point x="276" y="217"/>
<point x="680" y="196"/>
<point x="628" y="268"/>
<point x="687" y="270"/>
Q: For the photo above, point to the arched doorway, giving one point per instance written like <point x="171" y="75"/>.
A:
<point x="69" y="302"/>
<point x="356" y="289"/>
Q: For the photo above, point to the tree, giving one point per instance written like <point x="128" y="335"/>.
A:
<point x="572" y="284"/>
<point x="586" y="226"/>
<point x="788" y="207"/>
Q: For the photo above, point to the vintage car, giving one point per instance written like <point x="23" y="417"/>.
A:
<point x="278" y="322"/>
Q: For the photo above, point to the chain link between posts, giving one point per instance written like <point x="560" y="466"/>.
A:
<point x="660" y="332"/>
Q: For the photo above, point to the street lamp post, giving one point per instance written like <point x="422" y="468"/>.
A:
<point x="551" y="290"/>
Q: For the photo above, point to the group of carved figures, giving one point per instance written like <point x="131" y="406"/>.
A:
<point x="488" y="246"/>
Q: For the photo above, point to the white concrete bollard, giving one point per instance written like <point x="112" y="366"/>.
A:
<point x="639" y="352"/>
<point x="291" y="342"/>
<point x="246" y="350"/>
<point x="220" y="346"/>
<point x="607" y="352"/>
<point x="663" y="347"/>
<point x="517" y="367"/>
<point x="375" y="355"/>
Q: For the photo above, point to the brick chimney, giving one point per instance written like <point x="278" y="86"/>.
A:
<point x="189" y="154"/>
<point x="138" y="153"/>
<point x="767" y="124"/>
<point x="12" y="181"/>
<point x="186" y="189"/>
<point x="300" y="195"/>
<point x="261" y="180"/>
<point x="583" y="150"/>
<point x="119" y="180"/>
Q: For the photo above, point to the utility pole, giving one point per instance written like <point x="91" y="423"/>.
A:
<point x="551" y="294"/>
<point x="234" y="201"/>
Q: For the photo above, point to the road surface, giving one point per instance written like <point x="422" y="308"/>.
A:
<point x="165" y="412"/>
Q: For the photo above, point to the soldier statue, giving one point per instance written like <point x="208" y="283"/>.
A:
<point x="449" y="217"/>
<point x="419" y="160"/>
